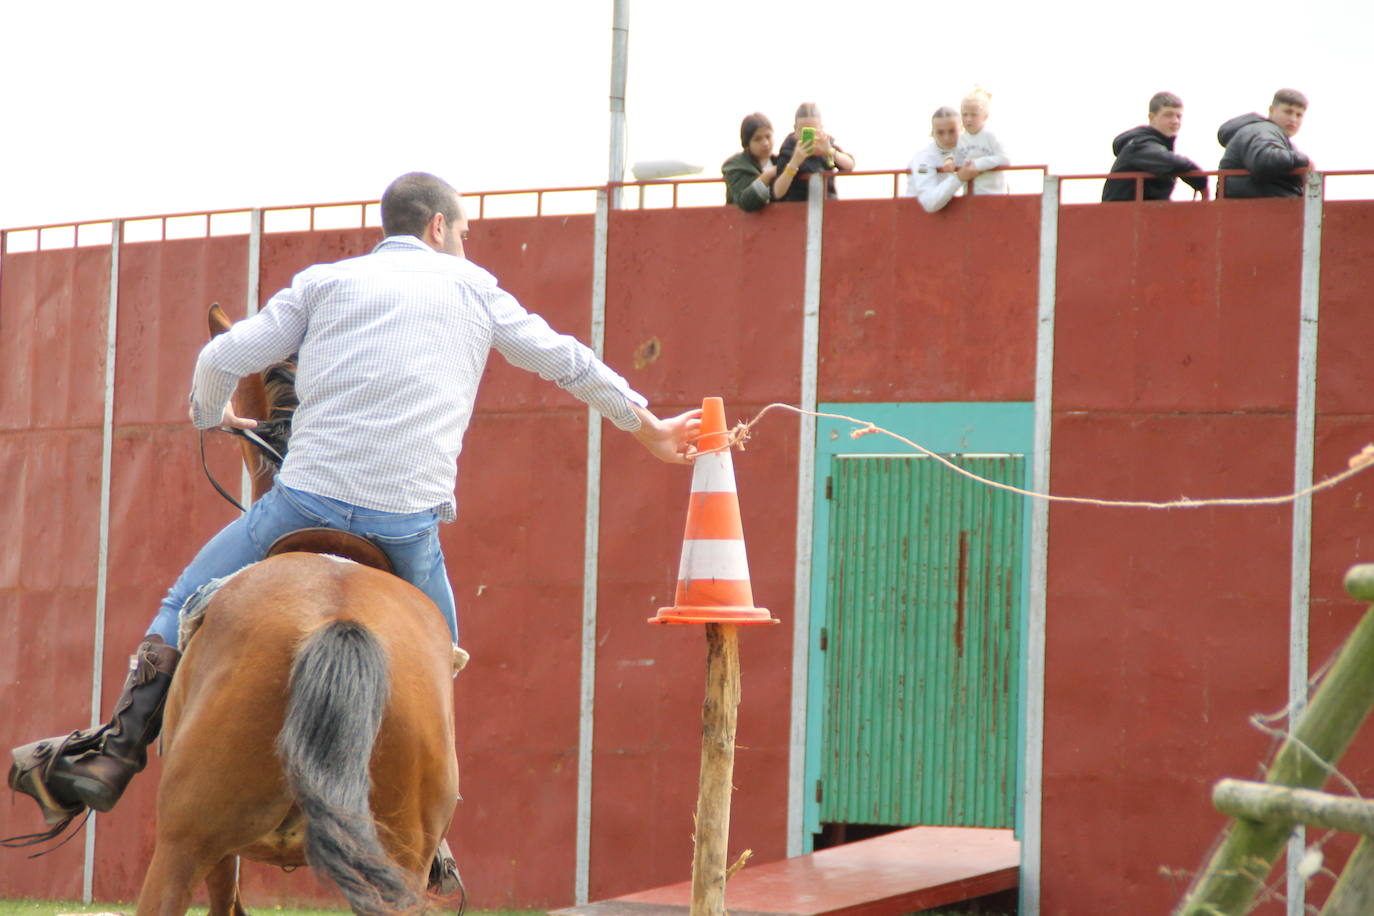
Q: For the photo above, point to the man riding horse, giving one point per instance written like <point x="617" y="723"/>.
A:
<point x="391" y="348"/>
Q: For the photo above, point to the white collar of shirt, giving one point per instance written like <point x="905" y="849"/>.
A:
<point x="401" y="241"/>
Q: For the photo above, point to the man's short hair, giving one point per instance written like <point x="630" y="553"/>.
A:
<point x="1164" y="100"/>
<point x="410" y="202"/>
<point x="944" y="111"/>
<point x="1289" y="97"/>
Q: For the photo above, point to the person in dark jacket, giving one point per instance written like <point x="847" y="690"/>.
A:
<point x="749" y="173"/>
<point x="1150" y="148"/>
<point x="802" y="159"/>
<point x="1264" y="148"/>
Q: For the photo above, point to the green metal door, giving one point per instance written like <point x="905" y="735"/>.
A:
<point x="922" y="642"/>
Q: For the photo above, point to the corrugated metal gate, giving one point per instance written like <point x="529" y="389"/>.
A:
<point x="922" y="643"/>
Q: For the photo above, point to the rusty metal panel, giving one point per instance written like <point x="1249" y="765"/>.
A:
<point x="545" y="263"/>
<point x="165" y="289"/>
<point x="52" y="338"/>
<point x="285" y="254"/>
<point x="52" y="346"/>
<point x="515" y="561"/>
<point x="721" y="290"/>
<point x="1175" y="361"/>
<point x="1345" y="418"/>
<point x="706" y="302"/>
<point x="1345" y="375"/>
<point x="929" y="307"/>
<point x="923" y="643"/>
<point x="161" y="507"/>
<point x="1173" y="308"/>
<point x="1155" y="399"/>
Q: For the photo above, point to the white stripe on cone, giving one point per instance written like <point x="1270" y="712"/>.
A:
<point x="705" y="559"/>
<point x="713" y="473"/>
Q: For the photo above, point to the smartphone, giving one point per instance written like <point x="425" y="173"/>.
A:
<point x="808" y="135"/>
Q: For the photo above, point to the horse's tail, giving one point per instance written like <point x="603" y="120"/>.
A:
<point x="339" y="687"/>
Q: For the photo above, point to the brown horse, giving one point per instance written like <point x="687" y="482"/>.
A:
<point x="338" y="752"/>
<point x="352" y="679"/>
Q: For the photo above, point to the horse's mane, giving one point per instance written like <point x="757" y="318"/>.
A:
<point x="279" y="381"/>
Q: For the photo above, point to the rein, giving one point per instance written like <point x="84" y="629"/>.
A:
<point x="270" y="453"/>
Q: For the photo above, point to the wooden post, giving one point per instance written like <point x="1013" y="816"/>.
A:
<point x="1259" y="801"/>
<point x="1353" y="894"/>
<point x="719" y="714"/>
<point x="1234" y="876"/>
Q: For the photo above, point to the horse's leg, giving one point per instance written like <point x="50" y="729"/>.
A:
<point x="223" y="884"/>
<point x="167" y="886"/>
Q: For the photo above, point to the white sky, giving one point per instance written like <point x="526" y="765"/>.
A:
<point x="141" y="107"/>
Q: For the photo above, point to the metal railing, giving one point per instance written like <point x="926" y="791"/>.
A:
<point x="155" y="228"/>
<point x="1140" y="178"/>
<point x="367" y="213"/>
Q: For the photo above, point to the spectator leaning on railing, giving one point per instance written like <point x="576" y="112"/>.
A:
<point x="980" y="146"/>
<point x="935" y="179"/>
<point x="749" y="173"/>
<point x="820" y="154"/>
<point x="1150" y="148"/>
<point x="1263" y="147"/>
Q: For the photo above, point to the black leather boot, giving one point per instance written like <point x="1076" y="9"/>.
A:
<point x="92" y="767"/>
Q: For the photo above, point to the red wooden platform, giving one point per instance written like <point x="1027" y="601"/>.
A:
<point x="904" y="872"/>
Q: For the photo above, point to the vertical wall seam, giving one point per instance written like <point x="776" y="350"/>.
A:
<point x="590" y="563"/>
<point x="103" y="548"/>
<point x="249" y="310"/>
<point x="1304" y="446"/>
<point x="806" y="477"/>
<point x="1032" y="788"/>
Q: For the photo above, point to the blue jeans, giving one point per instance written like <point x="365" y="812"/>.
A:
<point x="411" y="540"/>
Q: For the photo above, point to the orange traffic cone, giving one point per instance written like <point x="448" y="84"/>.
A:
<point x="713" y="577"/>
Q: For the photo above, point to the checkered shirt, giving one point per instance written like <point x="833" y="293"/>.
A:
<point x="392" y="346"/>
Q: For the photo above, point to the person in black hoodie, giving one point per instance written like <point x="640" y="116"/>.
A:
<point x="1263" y="147"/>
<point x="822" y="154"/>
<point x="1150" y="148"/>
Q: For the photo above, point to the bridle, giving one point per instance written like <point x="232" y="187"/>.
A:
<point x="268" y="452"/>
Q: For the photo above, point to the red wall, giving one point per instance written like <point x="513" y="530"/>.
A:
<point x="1175" y="374"/>
<point x="53" y="308"/>
<point x="515" y="560"/>
<point x="925" y="307"/>
<point x="722" y="292"/>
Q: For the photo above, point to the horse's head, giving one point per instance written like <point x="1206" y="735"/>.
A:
<point x="268" y="397"/>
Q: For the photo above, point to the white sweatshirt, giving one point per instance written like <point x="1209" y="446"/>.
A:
<point x="927" y="183"/>
<point x="985" y="151"/>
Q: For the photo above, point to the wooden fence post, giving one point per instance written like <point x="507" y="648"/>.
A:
<point x="719" y="714"/>
<point x="1234" y="876"/>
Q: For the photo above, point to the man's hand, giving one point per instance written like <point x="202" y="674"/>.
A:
<point x="948" y="165"/>
<point x="230" y="418"/>
<point x="768" y="174"/>
<point x="967" y="172"/>
<point x="669" y="439"/>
